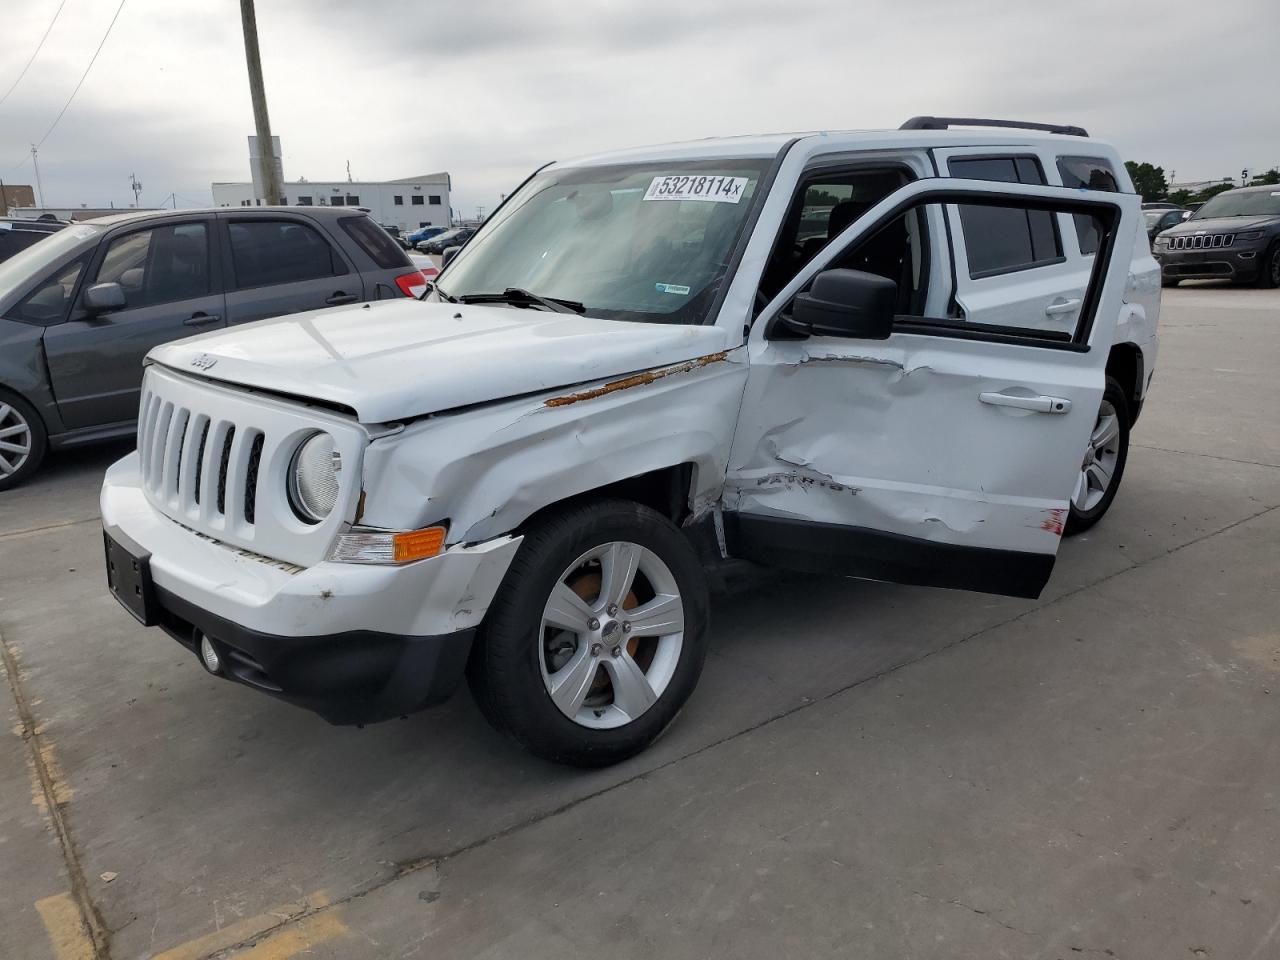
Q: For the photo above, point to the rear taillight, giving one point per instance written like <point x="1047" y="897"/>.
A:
<point x="415" y="284"/>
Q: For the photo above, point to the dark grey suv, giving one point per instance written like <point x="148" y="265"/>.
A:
<point x="80" y="309"/>
<point x="1235" y="235"/>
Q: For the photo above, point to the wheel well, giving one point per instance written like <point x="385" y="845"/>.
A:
<point x="666" y="490"/>
<point x="1124" y="365"/>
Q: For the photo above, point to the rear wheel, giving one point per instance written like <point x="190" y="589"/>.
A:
<point x="1104" y="459"/>
<point x="23" y="440"/>
<point x="1269" y="270"/>
<point x="596" y="637"/>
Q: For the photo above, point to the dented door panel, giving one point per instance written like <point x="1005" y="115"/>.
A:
<point x="891" y="437"/>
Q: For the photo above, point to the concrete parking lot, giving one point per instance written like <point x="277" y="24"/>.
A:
<point x="865" y="771"/>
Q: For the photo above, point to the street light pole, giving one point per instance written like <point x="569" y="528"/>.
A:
<point x="266" y="152"/>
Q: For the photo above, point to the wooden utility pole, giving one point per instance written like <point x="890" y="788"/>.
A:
<point x="266" y="151"/>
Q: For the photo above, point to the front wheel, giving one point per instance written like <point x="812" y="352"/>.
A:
<point x="1103" y="464"/>
<point x="1269" y="271"/>
<point x="596" y="637"/>
<point x="23" y="440"/>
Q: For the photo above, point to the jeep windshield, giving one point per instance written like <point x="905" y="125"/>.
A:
<point x="648" y="242"/>
<point x="1242" y="203"/>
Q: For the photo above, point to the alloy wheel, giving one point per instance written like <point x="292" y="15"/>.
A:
<point x="1100" y="459"/>
<point x="15" y="440"/>
<point x="611" y="635"/>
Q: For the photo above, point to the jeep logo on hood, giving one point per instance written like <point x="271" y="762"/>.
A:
<point x="203" y="361"/>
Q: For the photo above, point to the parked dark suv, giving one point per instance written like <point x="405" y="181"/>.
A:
<point x="1235" y="235"/>
<point x="80" y="309"/>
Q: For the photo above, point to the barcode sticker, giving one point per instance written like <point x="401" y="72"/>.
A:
<point x="712" y="189"/>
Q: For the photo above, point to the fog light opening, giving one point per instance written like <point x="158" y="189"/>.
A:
<point x="209" y="656"/>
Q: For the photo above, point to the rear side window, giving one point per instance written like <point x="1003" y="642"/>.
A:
<point x="375" y="241"/>
<point x="1004" y="239"/>
<point x="1088" y="173"/>
<point x="265" y="252"/>
<point x="160" y="265"/>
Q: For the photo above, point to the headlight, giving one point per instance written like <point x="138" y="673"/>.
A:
<point x="313" y="478"/>
<point x="1251" y="235"/>
<point x="1161" y="241"/>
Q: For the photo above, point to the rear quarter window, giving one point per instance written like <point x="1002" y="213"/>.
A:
<point x="1087" y="173"/>
<point x="375" y="241"/>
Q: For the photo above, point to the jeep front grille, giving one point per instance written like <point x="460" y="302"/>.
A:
<point x="194" y="461"/>
<point x="214" y="458"/>
<point x="1204" y="241"/>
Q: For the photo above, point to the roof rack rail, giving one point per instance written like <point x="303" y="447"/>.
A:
<point x="945" y="123"/>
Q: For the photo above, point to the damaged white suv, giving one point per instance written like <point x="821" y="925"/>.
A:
<point x="910" y="355"/>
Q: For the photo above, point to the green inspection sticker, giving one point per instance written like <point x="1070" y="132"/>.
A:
<point x="671" y="288"/>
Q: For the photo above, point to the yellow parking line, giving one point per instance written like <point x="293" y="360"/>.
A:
<point x="65" y="926"/>
<point x="251" y="927"/>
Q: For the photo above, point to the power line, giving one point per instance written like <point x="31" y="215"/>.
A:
<point x="36" y="54"/>
<point x="80" y="83"/>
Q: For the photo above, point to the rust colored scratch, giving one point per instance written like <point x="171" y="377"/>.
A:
<point x="638" y="379"/>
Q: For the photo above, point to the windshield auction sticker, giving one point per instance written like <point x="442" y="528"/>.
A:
<point x="713" y="189"/>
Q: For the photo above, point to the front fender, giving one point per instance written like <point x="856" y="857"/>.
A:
<point x="486" y="470"/>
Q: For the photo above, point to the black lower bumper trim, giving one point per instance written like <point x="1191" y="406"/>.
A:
<point x="359" y="676"/>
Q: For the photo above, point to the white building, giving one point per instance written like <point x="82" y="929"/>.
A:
<point x="408" y="204"/>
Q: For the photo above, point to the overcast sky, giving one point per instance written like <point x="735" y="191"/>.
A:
<point x="488" y="90"/>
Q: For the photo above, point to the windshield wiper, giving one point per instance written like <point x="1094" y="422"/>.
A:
<point x="523" y="298"/>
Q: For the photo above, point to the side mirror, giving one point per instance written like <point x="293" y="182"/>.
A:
<point x="449" y="254"/>
<point x="846" y="303"/>
<point x="104" y="296"/>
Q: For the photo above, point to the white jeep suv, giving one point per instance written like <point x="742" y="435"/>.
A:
<point x="910" y="355"/>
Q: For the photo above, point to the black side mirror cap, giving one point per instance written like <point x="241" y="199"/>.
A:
<point x="104" y="296"/>
<point x="845" y="303"/>
<point x="449" y="254"/>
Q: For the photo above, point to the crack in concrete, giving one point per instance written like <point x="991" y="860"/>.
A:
<point x="94" y="928"/>
<point x="18" y="534"/>
<point x="1206" y="456"/>
<point x="985" y="914"/>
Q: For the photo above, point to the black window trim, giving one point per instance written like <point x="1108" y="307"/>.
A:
<point x="950" y="327"/>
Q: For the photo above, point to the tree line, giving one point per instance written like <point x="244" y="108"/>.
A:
<point x="1149" y="180"/>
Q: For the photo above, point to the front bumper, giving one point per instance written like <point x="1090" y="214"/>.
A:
<point x="1223" y="263"/>
<point x="355" y="643"/>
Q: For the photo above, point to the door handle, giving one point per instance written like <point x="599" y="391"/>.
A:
<point x="340" y="298"/>
<point x="201" y="319"/>
<point x="1038" y="404"/>
<point x="1059" y="307"/>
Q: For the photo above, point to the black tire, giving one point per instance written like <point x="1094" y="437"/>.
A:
<point x="1079" y="520"/>
<point x="1269" y="269"/>
<point x="14" y="411"/>
<point x="505" y="670"/>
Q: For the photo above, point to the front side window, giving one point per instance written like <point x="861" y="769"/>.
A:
<point x="1002" y="239"/>
<point x="48" y="303"/>
<point x="266" y="252"/>
<point x="646" y="242"/>
<point x="159" y="265"/>
<point x="1087" y="173"/>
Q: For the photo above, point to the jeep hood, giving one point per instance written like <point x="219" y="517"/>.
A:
<point x="403" y="358"/>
